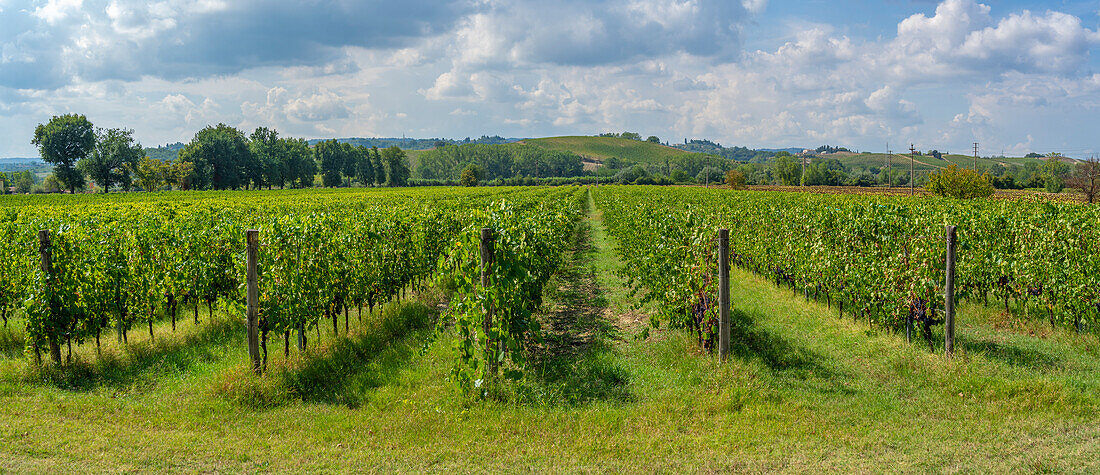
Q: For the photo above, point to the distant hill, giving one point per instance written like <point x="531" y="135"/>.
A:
<point x="602" y="148"/>
<point x="18" y="164"/>
<point x="418" y="144"/>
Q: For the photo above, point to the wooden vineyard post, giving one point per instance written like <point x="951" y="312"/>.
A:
<point x="723" y="294"/>
<point x="47" y="268"/>
<point x="949" y="295"/>
<point x="252" y="237"/>
<point x="486" y="271"/>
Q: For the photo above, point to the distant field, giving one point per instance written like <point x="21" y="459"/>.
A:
<point x="1067" y="196"/>
<point x="923" y="163"/>
<point x="603" y="148"/>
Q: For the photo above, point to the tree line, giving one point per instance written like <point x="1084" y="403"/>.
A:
<point x="219" y="157"/>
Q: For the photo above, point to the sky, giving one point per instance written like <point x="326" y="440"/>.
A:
<point x="1014" y="76"/>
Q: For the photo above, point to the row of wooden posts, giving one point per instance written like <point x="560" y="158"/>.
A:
<point x="252" y="238"/>
<point x="724" y="294"/>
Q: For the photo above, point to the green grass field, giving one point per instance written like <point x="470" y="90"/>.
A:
<point x="602" y="148"/>
<point x="804" y="391"/>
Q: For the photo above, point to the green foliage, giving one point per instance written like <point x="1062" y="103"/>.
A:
<point x="331" y="155"/>
<point x="63" y="141"/>
<point x="471" y="175"/>
<point x="498" y="161"/>
<point x="958" y="182"/>
<point x="397" y="166"/>
<point x="787" y="169"/>
<point x="221" y="158"/>
<point x="494" y="322"/>
<point x="114" y="155"/>
<point x="653" y="139"/>
<point x="736" y="180"/>
<point x="151" y="174"/>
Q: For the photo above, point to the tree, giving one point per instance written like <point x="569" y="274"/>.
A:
<point x="267" y="153"/>
<point x="300" y="164"/>
<point x="114" y="154"/>
<point x="1054" y="174"/>
<point x="787" y="169"/>
<point x="181" y="173"/>
<point x="397" y="166"/>
<point x="151" y="173"/>
<point x="379" y="166"/>
<point x="330" y="154"/>
<point x="710" y="175"/>
<point x="220" y="156"/>
<point x="1086" y="178"/>
<point x="471" y="175"/>
<point x="936" y="154"/>
<point x="958" y="182"/>
<point x="51" y="184"/>
<point x="63" y="141"/>
<point x="364" y="165"/>
<point x="736" y="180"/>
<point x="24" y="182"/>
<point x="653" y="139"/>
<point x="351" y="163"/>
<point x="631" y="136"/>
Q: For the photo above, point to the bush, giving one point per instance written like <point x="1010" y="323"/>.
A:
<point x="958" y="182"/>
<point x="736" y="180"/>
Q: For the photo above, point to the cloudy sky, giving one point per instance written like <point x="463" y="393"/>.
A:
<point x="1022" y="76"/>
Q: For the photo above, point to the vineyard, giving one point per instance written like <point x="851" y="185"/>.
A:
<point x="553" y="329"/>
<point x="880" y="260"/>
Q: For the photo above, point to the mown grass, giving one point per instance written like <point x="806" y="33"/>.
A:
<point x="804" y="391"/>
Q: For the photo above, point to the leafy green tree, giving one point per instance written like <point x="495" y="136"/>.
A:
<point x="397" y="166"/>
<point x="736" y="180"/>
<point x="180" y="174"/>
<point x="330" y="154"/>
<point x="151" y="174"/>
<point x="267" y="152"/>
<point x="958" y="182"/>
<point x="379" y="166"/>
<point x="364" y="165"/>
<point x="350" y="167"/>
<point x="300" y="163"/>
<point x="113" y="156"/>
<point x="24" y="182"/>
<point x="1055" y="172"/>
<point x="710" y="175"/>
<point x="788" y="169"/>
<point x="63" y="141"/>
<point x="653" y="139"/>
<point x="471" y="175"/>
<point x="220" y="155"/>
<point x="631" y="136"/>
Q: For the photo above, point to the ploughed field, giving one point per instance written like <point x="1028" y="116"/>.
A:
<point x="386" y="340"/>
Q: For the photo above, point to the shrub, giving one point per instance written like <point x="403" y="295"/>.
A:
<point x="736" y="180"/>
<point x="958" y="182"/>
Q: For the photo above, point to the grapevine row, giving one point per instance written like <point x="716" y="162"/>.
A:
<point x="879" y="258"/>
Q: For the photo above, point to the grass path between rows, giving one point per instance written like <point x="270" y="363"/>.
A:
<point x="803" y="391"/>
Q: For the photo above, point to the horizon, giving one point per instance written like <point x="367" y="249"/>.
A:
<point x="1017" y="77"/>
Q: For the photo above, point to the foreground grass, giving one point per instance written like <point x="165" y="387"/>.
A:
<point x="804" y="391"/>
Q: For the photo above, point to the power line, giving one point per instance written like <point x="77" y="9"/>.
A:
<point x="975" y="156"/>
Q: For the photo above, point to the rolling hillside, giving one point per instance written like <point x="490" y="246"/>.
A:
<point x="602" y="148"/>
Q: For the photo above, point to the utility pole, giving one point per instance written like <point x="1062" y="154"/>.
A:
<point x="802" y="179"/>
<point x="912" y="161"/>
<point x="889" y="179"/>
<point x="975" y="156"/>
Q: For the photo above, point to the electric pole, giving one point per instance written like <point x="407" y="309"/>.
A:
<point x="889" y="179"/>
<point x="912" y="161"/>
<point x="975" y="156"/>
<point x="802" y="179"/>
